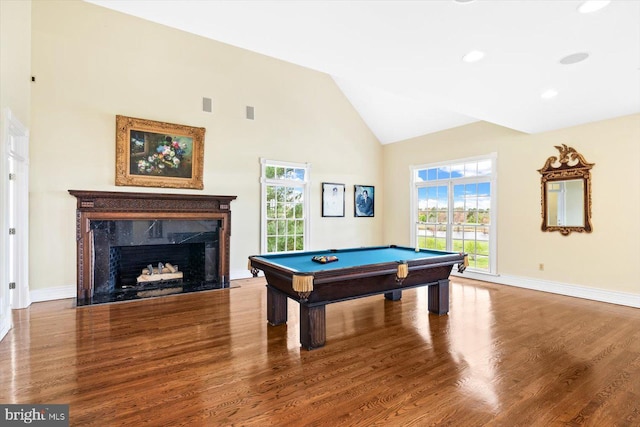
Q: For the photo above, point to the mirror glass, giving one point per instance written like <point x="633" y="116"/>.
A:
<point x="565" y="203"/>
<point x="566" y="192"/>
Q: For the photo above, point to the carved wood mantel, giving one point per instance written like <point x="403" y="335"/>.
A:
<point x="104" y="205"/>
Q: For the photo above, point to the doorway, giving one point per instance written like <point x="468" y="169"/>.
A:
<point x="14" y="205"/>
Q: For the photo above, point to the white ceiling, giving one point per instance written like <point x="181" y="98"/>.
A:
<point x="399" y="62"/>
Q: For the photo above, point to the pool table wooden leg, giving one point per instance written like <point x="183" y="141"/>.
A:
<point x="393" y="295"/>
<point x="276" y="306"/>
<point x="439" y="297"/>
<point x="313" y="325"/>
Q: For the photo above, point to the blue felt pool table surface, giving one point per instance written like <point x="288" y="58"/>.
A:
<point x="301" y="262"/>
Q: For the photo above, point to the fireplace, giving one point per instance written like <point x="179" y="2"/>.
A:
<point x="135" y="245"/>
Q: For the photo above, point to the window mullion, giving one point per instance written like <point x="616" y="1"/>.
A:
<point x="450" y="215"/>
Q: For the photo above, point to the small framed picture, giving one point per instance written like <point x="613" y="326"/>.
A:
<point x="364" y="196"/>
<point x="332" y="199"/>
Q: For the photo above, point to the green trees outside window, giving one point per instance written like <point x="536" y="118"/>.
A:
<point x="454" y="209"/>
<point x="284" y="198"/>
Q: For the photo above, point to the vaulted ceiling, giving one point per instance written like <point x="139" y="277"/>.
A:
<point x="400" y="62"/>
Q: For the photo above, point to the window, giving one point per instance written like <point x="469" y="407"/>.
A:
<point x="454" y="209"/>
<point x="285" y="206"/>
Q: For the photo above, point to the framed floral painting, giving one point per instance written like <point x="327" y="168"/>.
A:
<point x="158" y="154"/>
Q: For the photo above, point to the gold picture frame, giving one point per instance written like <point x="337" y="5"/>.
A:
<point x="566" y="192"/>
<point x="158" y="154"/>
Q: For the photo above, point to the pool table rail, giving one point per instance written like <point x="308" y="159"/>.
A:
<point x="354" y="283"/>
<point x="350" y="282"/>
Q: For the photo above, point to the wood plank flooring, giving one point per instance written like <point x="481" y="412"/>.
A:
<point x="502" y="357"/>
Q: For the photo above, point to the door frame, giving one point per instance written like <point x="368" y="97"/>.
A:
<point x="14" y="199"/>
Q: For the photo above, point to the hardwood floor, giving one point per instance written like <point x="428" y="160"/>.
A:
<point x="502" y="357"/>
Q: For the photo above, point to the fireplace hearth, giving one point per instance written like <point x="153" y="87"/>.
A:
<point x="119" y="235"/>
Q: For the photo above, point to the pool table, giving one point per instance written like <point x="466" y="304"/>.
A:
<point x="356" y="273"/>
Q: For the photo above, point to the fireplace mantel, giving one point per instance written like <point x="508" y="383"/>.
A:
<point x="117" y="201"/>
<point x="114" y="206"/>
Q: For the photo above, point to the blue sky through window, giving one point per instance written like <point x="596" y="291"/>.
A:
<point x="454" y="205"/>
<point x="458" y="170"/>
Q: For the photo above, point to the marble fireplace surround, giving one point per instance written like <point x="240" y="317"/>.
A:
<point x="113" y="208"/>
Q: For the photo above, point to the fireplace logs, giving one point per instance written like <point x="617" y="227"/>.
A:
<point x="164" y="272"/>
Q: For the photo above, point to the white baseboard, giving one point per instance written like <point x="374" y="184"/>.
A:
<point x="241" y="274"/>
<point x="62" y="292"/>
<point x="49" y="294"/>
<point x="595" y="294"/>
<point x="577" y="291"/>
<point x="5" y="326"/>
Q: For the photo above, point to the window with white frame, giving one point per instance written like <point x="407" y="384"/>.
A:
<point x="285" y="206"/>
<point x="453" y="209"/>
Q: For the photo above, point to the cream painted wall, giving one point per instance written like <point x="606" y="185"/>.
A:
<point x="606" y="259"/>
<point x="92" y="63"/>
<point x="15" y="58"/>
<point x="15" y="96"/>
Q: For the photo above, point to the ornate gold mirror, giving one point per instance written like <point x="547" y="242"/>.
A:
<point x="566" y="192"/>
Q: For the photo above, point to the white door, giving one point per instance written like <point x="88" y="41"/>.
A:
<point x="14" y="206"/>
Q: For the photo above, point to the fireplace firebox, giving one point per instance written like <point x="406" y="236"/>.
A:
<point x="134" y="245"/>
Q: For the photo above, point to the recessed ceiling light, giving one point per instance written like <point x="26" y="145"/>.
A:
<point x="464" y="1"/>
<point x="591" y="6"/>
<point x="574" y="58"/>
<point x="549" y="94"/>
<point x="473" y="56"/>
